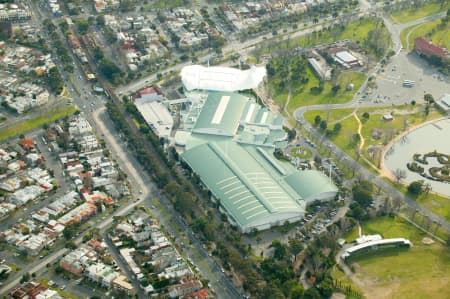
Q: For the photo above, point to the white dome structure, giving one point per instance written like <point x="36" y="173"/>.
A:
<point x="221" y="78"/>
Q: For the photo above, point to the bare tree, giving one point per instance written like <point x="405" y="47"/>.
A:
<point x="426" y="189"/>
<point x="399" y="174"/>
<point x="415" y="211"/>
<point x="405" y="122"/>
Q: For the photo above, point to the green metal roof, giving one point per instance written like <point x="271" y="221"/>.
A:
<point x="220" y="114"/>
<point x="310" y="184"/>
<point x="249" y="192"/>
<point x="231" y="149"/>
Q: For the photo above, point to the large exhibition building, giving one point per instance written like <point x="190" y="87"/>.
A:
<point x="228" y="140"/>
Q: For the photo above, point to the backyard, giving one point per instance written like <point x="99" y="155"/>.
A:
<point x="419" y="272"/>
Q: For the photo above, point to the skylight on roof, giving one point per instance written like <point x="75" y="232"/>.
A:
<point x="220" y="111"/>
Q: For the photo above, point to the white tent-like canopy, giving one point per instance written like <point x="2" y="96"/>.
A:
<point x="221" y="78"/>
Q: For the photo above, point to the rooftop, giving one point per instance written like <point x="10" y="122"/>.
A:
<point x="237" y="138"/>
<point x="221" y="78"/>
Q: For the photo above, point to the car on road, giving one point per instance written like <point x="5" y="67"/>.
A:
<point x="62" y="288"/>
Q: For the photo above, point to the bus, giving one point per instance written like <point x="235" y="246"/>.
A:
<point x="408" y="83"/>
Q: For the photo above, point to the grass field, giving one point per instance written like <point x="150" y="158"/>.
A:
<point x="164" y="4"/>
<point x="438" y="34"/>
<point x="436" y="203"/>
<point x="303" y="96"/>
<point x="36" y="122"/>
<point x="402" y="114"/>
<point x="407" y="15"/>
<point x="420" y="272"/>
<point x="356" y="31"/>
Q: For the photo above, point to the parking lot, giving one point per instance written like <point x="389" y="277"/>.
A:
<point x="404" y="66"/>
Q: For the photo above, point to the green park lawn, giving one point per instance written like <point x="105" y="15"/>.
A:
<point x="393" y="227"/>
<point x="419" y="272"/>
<point x="411" y="14"/>
<point x="349" y="127"/>
<point x="439" y="35"/>
<point x="356" y="31"/>
<point x="402" y="114"/>
<point x="438" y="204"/>
<point x="303" y="96"/>
<point x="28" y="125"/>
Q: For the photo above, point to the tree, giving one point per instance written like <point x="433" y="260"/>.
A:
<point x="297" y="292"/>
<point x="413" y="103"/>
<point x="70" y="245"/>
<point x="366" y="115"/>
<point x="337" y="128"/>
<point x="100" y="20"/>
<point x="110" y="70"/>
<point x="362" y="196"/>
<point x="323" y="125"/>
<point x="426" y="111"/>
<point x="335" y="89"/>
<point x="326" y="287"/>
<point x="312" y="293"/>
<point x="279" y="250"/>
<point x="69" y="231"/>
<point x="317" y="120"/>
<point x="378" y="40"/>
<point x="25" y="277"/>
<point x="82" y="25"/>
<point x="428" y="98"/>
<point x="416" y="187"/>
<point x="399" y="174"/>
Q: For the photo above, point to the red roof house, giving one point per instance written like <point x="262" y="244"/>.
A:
<point x="424" y="46"/>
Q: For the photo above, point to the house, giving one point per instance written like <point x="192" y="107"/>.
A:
<point x="79" y="214"/>
<point x="183" y="289"/>
<point x="121" y="283"/>
<point x="27" y="143"/>
<point x="102" y="274"/>
<point x="27" y="290"/>
<point x="75" y="261"/>
<point x="424" y="46"/>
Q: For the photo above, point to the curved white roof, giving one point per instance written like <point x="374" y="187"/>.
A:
<point x="221" y="78"/>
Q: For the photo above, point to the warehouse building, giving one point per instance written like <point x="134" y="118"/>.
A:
<point x="228" y="140"/>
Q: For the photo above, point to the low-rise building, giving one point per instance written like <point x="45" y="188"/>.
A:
<point x="79" y="214"/>
<point x="424" y="46"/>
<point x="444" y="103"/>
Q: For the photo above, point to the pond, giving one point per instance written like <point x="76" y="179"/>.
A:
<point x="431" y="137"/>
